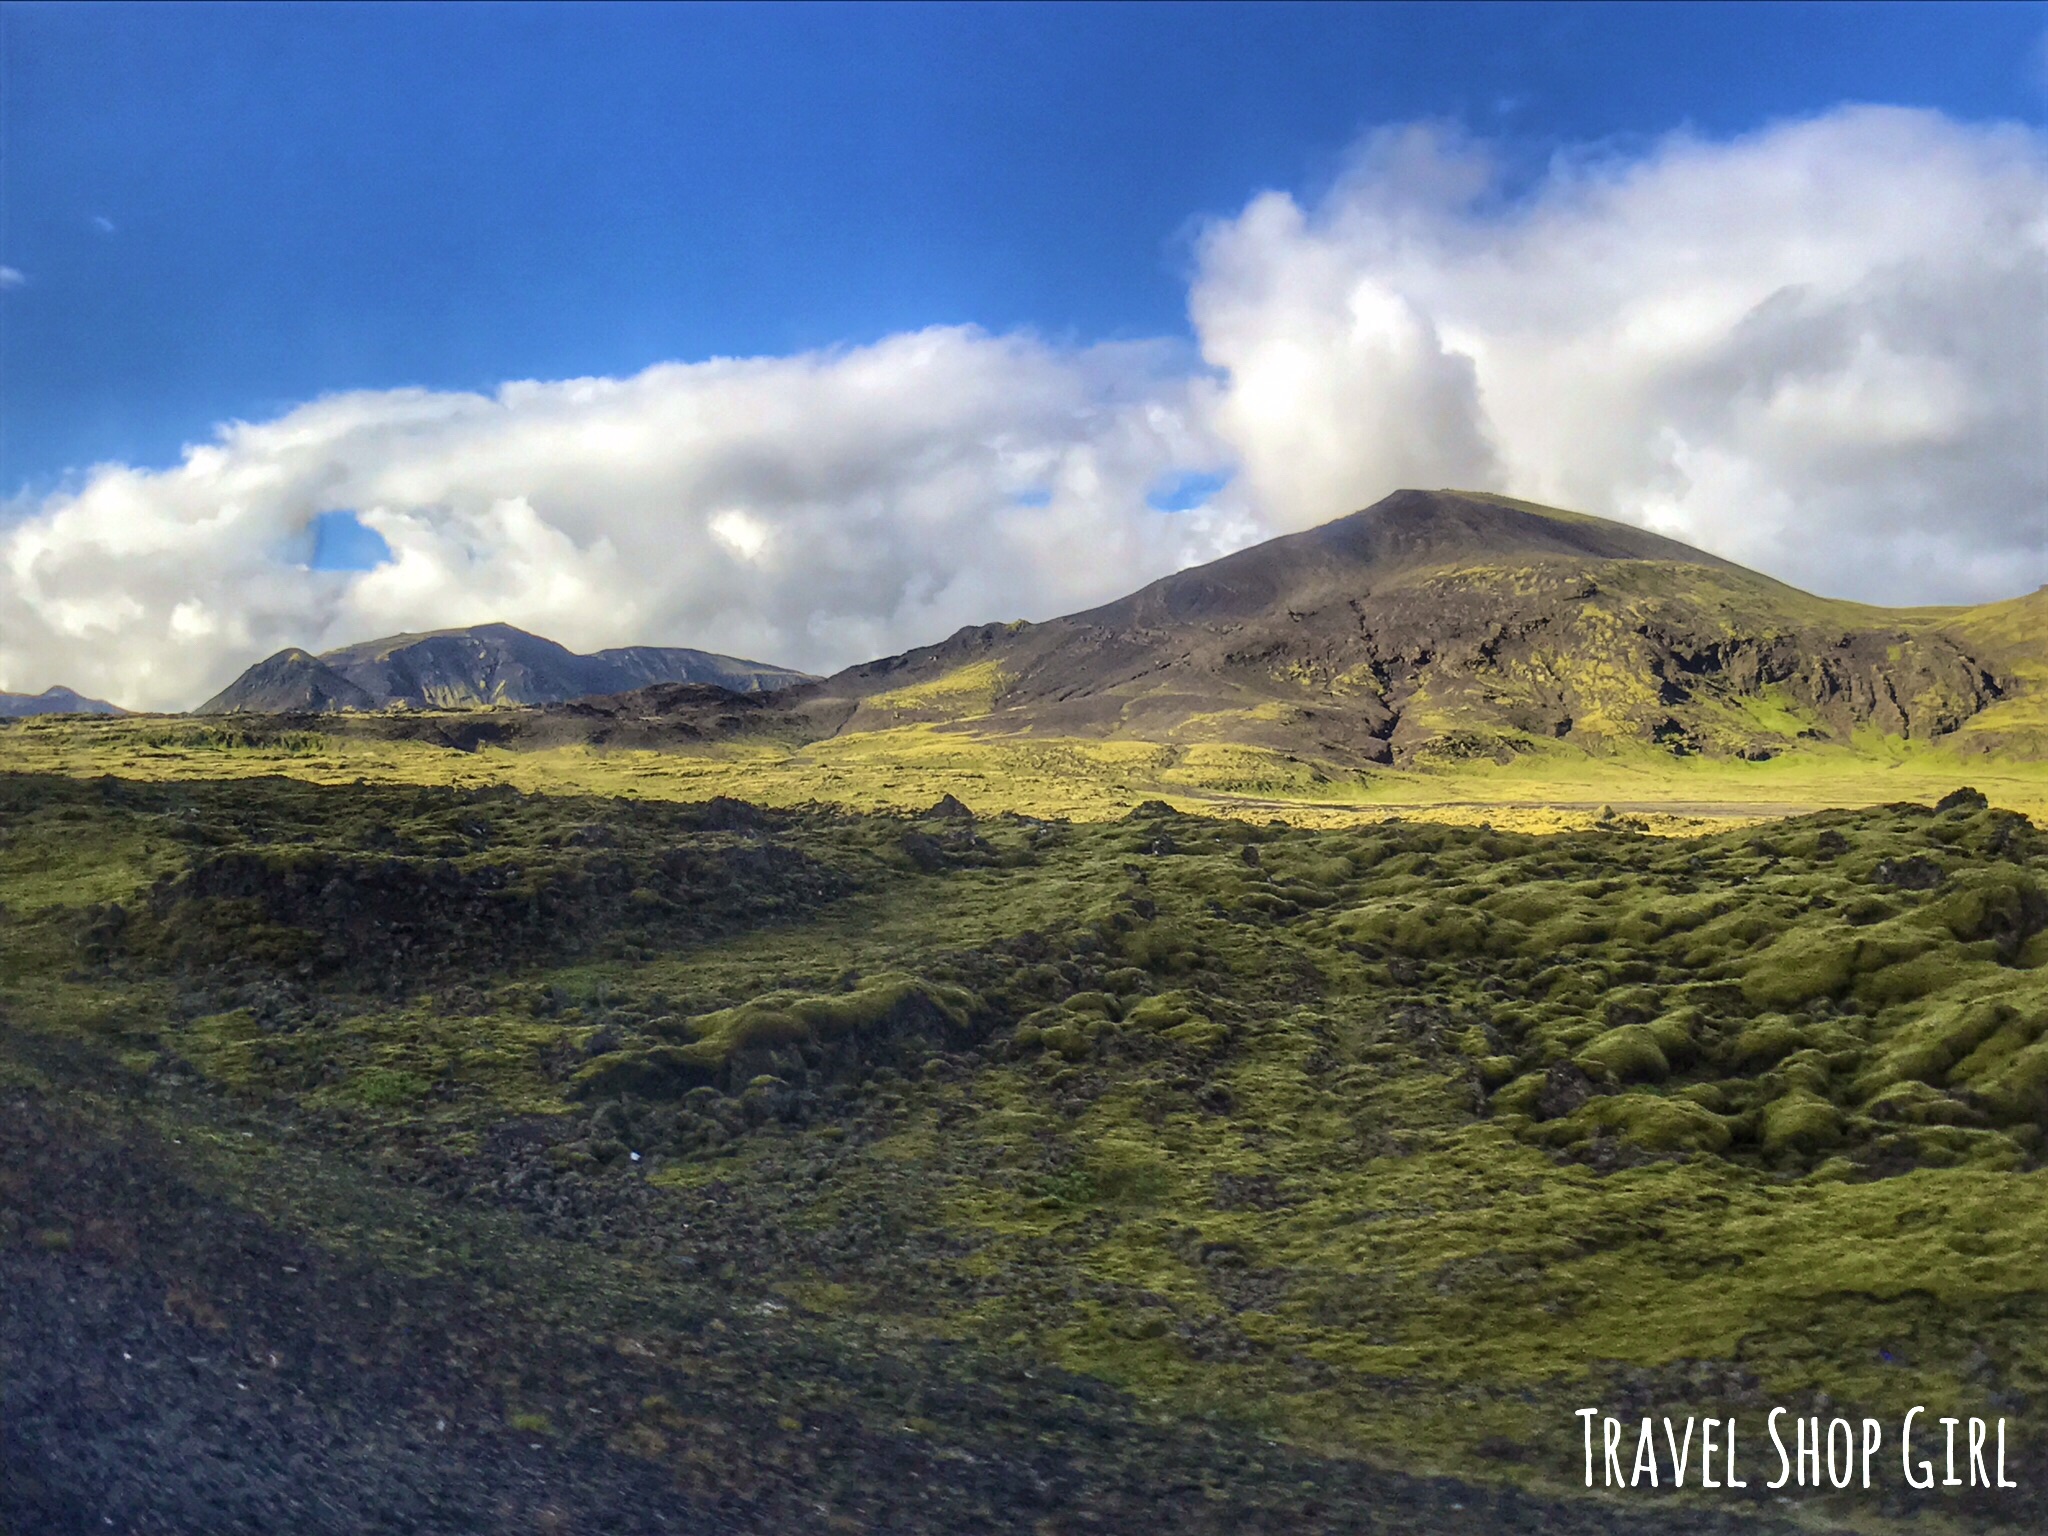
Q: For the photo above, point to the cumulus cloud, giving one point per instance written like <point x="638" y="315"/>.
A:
<point x="1821" y="348"/>
<point x="811" y="510"/>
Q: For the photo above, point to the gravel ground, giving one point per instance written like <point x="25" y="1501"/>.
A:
<point x="170" y="1363"/>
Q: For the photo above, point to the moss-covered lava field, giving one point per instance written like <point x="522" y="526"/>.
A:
<point x="387" y="1157"/>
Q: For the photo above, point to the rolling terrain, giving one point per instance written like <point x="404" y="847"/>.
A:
<point x="393" y="1158"/>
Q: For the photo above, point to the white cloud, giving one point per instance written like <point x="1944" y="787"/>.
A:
<point x="741" y="532"/>
<point x="12" y="277"/>
<point x="1821" y="348"/>
<point x="102" y="223"/>
<point x="810" y="510"/>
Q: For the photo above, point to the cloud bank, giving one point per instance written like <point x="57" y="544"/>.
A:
<point x="811" y="510"/>
<point x="1821" y="349"/>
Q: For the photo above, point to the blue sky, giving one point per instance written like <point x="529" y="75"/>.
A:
<point x="218" y="212"/>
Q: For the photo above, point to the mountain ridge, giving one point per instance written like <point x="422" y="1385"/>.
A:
<point x="483" y="664"/>
<point x="54" y="700"/>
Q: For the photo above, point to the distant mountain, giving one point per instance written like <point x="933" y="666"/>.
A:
<point x="648" y="666"/>
<point x="53" y="701"/>
<point x="1446" y="624"/>
<point x="485" y="664"/>
<point x="291" y="682"/>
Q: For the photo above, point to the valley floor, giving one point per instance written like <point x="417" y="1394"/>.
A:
<point x="1079" y="779"/>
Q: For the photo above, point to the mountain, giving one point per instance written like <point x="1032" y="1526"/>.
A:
<point x="1445" y="624"/>
<point x="291" y="682"/>
<point x="648" y="666"/>
<point x="485" y="664"/>
<point x="1431" y="627"/>
<point x="53" y="701"/>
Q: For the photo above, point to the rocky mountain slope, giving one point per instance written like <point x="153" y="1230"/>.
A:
<point x="484" y="664"/>
<point x="53" y="701"/>
<point x="1449" y="624"/>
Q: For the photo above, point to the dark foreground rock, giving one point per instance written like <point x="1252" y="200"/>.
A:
<point x="171" y="1363"/>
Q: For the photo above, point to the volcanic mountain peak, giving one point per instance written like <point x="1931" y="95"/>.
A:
<point x="480" y="664"/>
<point x="291" y="682"/>
<point x="1454" y="623"/>
<point x="57" y="700"/>
<point x="1406" y="532"/>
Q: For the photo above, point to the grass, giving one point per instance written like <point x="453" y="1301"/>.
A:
<point x="965" y="693"/>
<point x="1547" y="787"/>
